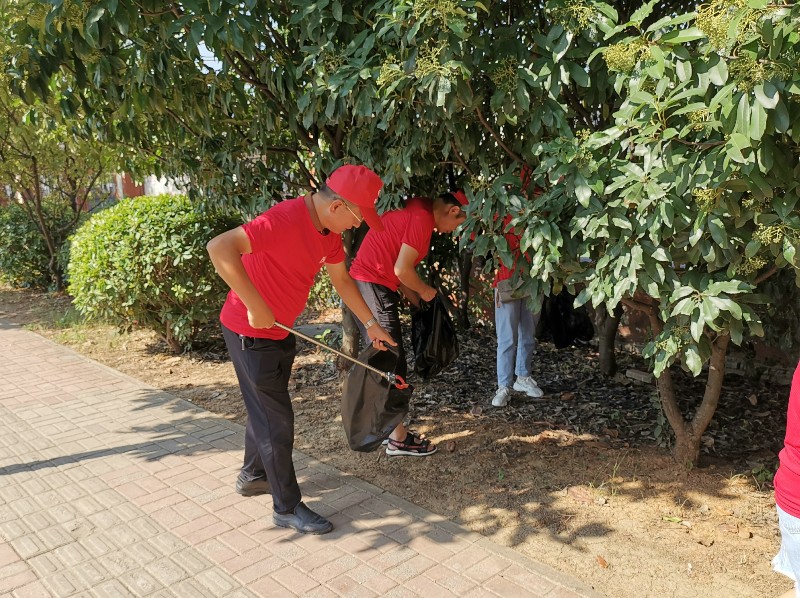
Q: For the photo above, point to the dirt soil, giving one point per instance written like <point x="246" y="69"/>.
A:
<point x="577" y="481"/>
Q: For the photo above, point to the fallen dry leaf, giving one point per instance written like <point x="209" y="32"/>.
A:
<point x="567" y="396"/>
<point x="580" y="494"/>
<point x="753" y="399"/>
<point x="602" y="562"/>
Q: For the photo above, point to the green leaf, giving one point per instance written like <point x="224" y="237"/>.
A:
<point x="582" y="190"/>
<point x="458" y="27"/>
<point x="718" y="74"/>
<point x="683" y="68"/>
<point x="682" y="36"/>
<point x="641" y="13"/>
<point x="696" y="326"/>
<point x="767" y="95"/>
<point x="758" y="121"/>
<point x="693" y="361"/>
<point x="789" y="253"/>
<point x="717" y="228"/>
<point x="743" y="117"/>
<point x="738" y="142"/>
<point x="782" y="120"/>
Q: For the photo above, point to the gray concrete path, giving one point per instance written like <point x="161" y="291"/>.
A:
<point x="109" y="487"/>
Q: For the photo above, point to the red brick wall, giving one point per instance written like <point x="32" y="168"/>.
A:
<point x="130" y="188"/>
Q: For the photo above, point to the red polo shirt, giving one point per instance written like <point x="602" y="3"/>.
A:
<point x="412" y="225"/>
<point x="287" y="253"/>
<point x="787" y="479"/>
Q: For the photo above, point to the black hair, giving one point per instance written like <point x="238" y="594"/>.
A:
<point x="450" y="200"/>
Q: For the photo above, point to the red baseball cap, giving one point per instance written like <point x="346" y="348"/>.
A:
<point x="358" y="185"/>
<point x="460" y="196"/>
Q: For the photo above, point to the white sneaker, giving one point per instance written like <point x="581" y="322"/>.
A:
<point x="528" y="385"/>
<point x="501" y="398"/>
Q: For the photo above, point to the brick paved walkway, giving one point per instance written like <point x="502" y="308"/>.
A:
<point x="109" y="487"/>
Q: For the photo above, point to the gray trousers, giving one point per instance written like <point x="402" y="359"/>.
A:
<point x="385" y="306"/>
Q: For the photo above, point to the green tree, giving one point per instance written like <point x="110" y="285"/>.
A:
<point x="51" y="170"/>
<point x="626" y="116"/>
<point x="687" y="203"/>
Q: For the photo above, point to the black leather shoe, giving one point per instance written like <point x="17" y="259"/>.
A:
<point x="304" y="520"/>
<point x="253" y="488"/>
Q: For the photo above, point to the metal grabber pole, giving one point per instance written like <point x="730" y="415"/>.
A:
<point x="389" y="376"/>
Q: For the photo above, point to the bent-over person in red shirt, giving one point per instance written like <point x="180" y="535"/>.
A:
<point x="385" y="266"/>
<point x="270" y="264"/>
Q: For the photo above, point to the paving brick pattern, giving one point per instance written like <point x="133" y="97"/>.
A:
<point x="109" y="487"/>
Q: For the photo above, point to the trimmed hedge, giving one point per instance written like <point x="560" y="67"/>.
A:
<point x="144" y="262"/>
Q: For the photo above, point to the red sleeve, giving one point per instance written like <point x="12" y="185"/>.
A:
<point x="336" y="255"/>
<point x="258" y="231"/>
<point x="418" y="232"/>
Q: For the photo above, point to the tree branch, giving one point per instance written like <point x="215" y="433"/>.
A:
<point x="494" y="134"/>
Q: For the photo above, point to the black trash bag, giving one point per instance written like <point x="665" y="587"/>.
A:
<point x="433" y="337"/>
<point x="371" y="407"/>
<point x="563" y="323"/>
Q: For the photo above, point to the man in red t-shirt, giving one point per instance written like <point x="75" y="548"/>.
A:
<point x="270" y="264"/>
<point x="385" y="266"/>
<point x="787" y="493"/>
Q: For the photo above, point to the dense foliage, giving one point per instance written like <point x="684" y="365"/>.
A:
<point x="24" y="257"/>
<point x="144" y="262"/>
<point x="664" y="140"/>
<point x="52" y="168"/>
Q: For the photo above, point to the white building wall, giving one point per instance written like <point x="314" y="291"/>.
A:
<point x="159" y="186"/>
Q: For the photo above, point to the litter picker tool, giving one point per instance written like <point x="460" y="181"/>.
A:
<point x="390" y="377"/>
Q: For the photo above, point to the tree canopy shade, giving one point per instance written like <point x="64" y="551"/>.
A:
<point x="51" y="168"/>
<point x="664" y="140"/>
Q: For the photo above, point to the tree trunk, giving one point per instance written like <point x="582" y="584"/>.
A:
<point x="172" y="342"/>
<point x="351" y="336"/>
<point x="55" y="272"/>
<point x="606" y="326"/>
<point x="351" y="339"/>
<point x="465" y="272"/>
<point x="688" y="434"/>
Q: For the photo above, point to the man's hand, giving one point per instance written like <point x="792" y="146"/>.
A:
<point x="263" y="318"/>
<point x="379" y="337"/>
<point x="428" y="294"/>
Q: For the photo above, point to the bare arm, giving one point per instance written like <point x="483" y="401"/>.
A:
<point x="226" y="252"/>
<point x="409" y="294"/>
<point x="350" y="294"/>
<point x="405" y="271"/>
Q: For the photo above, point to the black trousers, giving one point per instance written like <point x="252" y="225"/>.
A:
<point x="263" y="368"/>
<point x="385" y="306"/>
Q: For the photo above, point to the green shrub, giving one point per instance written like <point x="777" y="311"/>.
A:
<point x="24" y="258"/>
<point x="144" y="262"/>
